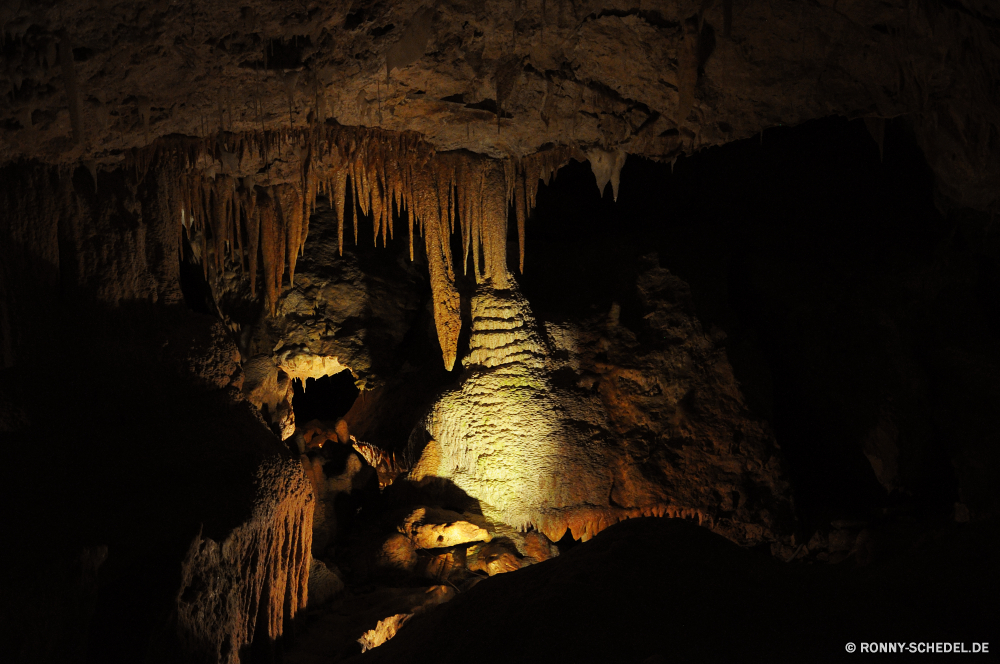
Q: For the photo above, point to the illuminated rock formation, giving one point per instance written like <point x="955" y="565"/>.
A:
<point x="431" y="528"/>
<point x="244" y="588"/>
<point x="648" y="429"/>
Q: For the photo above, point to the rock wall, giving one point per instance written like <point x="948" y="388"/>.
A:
<point x="133" y="405"/>
<point x="246" y="587"/>
<point x="589" y="423"/>
<point x="657" y="79"/>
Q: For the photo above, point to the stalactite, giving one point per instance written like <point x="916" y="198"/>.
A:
<point x="410" y="217"/>
<point x="442" y="193"/>
<point x="289" y="207"/>
<point x="217" y="219"/>
<point x="447" y="310"/>
<point x="354" y="188"/>
<point x="72" y="87"/>
<point x="687" y="71"/>
<point x="340" y="201"/>
<point x="521" y="212"/>
<point x="272" y="241"/>
<point x="253" y="234"/>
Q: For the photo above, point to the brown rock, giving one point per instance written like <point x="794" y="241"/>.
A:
<point x="262" y="565"/>
<point x="324" y="584"/>
<point x="342" y="432"/>
<point x="388" y="627"/>
<point x="441" y="566"/>
<point x="434" y="528"/>
<point x="513" y="437"/>
<point x="496" y="557"/>
<point x="385" y="630"/>
<point x="538" y="547"/>
<point x="396" y="553"/>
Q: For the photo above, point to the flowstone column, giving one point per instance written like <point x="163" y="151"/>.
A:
<point x="501" y="436"/>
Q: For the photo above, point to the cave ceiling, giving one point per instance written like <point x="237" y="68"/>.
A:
<point x="87" y="81"/>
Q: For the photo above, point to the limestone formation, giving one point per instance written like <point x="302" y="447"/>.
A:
<point x="655" y="79"/>
<point x="261" y="568"/>
<point x="434" y="528"/>
<point x="388" y="627"/>
<point x="496" y="557"/>
<point x="395" y="553"/>
<point x="324" y="584"/>
<point x="555" y="457"/>
<point x="176" y="182"/>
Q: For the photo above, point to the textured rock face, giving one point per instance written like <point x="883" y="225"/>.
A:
<point x="347" y="311"/>
<point x="597" y="423"/>
<point x="244" y="588"/>
<point x="656" y="79"/>
<point x="668" y="583"/>
<point x="152" y="443"/>
<point x="432" y="528"/>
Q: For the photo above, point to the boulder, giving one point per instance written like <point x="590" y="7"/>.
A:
<point x="435" y="528"/>
<point x="441" y="565"/>
<point x="538" y="547"/>
<point x="395" y="553"/>
<point x="385" y="630"/>
<point x="497" y="557"/>
<point x="324" y="583"/>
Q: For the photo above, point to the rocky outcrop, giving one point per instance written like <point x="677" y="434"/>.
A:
<point x="594" y="423"/>
<point x="434" y="528"/>
<point x="197" y="515"/>
<point x="246" y="587"/>
<point x="388" y="627"/>
<point x="334" y="472"/>
<point x="269" y="389"/>
<point x="347" y="309"/>
<point x="324" y="584"/>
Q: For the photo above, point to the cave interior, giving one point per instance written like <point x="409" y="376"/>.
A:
<point x="684" y="350"/>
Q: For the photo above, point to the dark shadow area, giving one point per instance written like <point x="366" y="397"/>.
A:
<point x="652" y="590"/>
<point x="324" y="398"/>
<point x="843" y="293"/>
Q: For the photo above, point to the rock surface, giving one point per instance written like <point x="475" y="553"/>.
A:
<point x="324" y="584"/>
<point x="349" y="311"/>
<point x="648" y="588"/>
<point x="435" y="528"/>
<point x="154" y="455"/>
<point x="658" y="79"/>
<point x="595" y="423"/>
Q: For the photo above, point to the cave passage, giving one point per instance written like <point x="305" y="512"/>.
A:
<point x="327" y="398"/>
